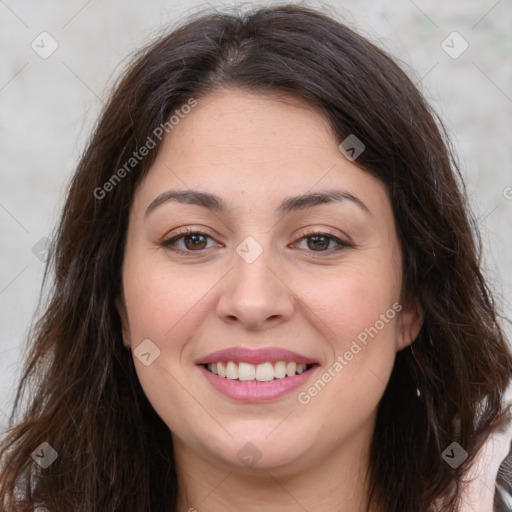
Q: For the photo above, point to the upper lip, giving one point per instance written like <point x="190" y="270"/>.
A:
<point x="255" y="356"/>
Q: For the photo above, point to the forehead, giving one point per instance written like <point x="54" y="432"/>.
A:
<point x="241" y="144"/>
<point x="230" y="123"/>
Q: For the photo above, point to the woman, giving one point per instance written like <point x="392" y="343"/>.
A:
<point x="267" y="292"/>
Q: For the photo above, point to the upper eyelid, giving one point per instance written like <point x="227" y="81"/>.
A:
<point x="187" y="232"/>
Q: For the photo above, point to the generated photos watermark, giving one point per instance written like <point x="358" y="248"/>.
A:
<point x="352" y="147"/>
<point x="44" y="455"/>
<point x="144" y="150"/>
<point x="343" y="360"/>
<point x="146" y="352"/>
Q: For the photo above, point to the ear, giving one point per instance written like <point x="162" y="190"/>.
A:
<point x="409" y="324"/>
<point x="121" y="309"/>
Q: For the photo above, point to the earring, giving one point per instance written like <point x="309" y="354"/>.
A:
<point x="412" y="349"/>
<point x="418" y="392"/>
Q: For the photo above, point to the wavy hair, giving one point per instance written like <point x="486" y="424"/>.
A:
<point x="79" y="382"/>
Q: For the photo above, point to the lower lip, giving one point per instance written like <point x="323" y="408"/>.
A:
<point x="246" y="391"/>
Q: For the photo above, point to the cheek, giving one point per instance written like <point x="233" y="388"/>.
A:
<point x="352" y="301"/>
<point x="165" y="307"/>
<point x="357" y="311"/>
<point x="161" y="301"/>
<point x="358" y="316"/>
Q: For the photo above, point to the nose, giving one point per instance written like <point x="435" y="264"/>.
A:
<point x="255" y="295"/>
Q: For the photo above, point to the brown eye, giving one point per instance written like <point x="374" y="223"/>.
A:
<point x="319" y="242"/>
<point x="192" y="241"/>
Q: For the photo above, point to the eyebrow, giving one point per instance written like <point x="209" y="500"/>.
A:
<point x="288" y="205"/>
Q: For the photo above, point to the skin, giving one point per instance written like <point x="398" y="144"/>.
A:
<point x="254" y="151"/>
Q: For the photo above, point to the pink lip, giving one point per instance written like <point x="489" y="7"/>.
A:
<point x="255" y="356"/>
<point x="256" y="391"/>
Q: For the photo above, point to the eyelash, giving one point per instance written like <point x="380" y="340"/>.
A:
<point x="188" y="231"/>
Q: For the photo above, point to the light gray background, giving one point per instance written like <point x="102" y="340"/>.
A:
<point x="48" y="106"/>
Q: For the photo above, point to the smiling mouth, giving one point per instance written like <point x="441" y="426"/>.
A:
<point x="264" y="372"/>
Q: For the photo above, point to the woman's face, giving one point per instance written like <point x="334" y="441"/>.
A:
<point x="301" y="264"/>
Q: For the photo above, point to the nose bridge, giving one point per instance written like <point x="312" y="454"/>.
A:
<point x="254" y="292"/>
<point x="252" y="275"/>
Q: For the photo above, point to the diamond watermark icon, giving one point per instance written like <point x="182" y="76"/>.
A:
<point x="44" y="45"/>
<point x="40" y="249"/>
<point x="352" y="147"/>
<point x="249" y="249"/>
<point x="146" y="352"/>
<point x="44" y="455"/>
<point x="454" y="455"/>
<point x="454" y="45"/>
<point x="249" y="454"/>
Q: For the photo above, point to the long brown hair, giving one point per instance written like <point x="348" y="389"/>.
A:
<point x="84" y="399"/>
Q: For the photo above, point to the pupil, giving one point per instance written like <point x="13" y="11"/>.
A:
<point x="195" y="238"/>
<point x="320" y="245"/>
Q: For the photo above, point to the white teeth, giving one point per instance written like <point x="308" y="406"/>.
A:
<point x="291" y="369"/>
<point x="231" y="371"/>
<point x="280" y="370"/>
<point x="263" y="372"/>
<point x="246" y="371"/>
